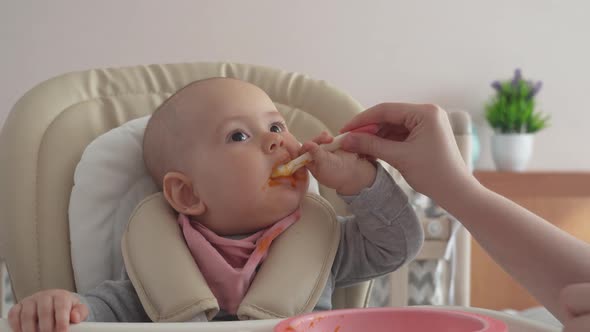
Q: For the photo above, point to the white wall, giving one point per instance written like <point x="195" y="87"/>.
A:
<point x="444" y="52"/>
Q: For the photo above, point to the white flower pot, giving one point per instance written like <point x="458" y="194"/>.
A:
<point x="512" y="152"/>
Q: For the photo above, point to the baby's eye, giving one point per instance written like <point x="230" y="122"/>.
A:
<point x="277" y="127"/>
<point x="238" y="137"/>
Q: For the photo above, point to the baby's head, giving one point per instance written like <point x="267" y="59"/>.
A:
<point x="211" y="148"/>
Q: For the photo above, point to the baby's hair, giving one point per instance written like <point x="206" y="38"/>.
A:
<point x="162" y="139"/>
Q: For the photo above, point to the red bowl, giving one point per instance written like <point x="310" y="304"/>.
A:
<point x="391" y="320"/>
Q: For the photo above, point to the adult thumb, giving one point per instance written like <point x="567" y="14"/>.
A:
<point x="372" y="145"/>
<point x="576" y="299"/>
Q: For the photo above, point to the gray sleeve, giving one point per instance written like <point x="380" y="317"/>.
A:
<point x="382" y="234"/>
<point x="114" y="301"/>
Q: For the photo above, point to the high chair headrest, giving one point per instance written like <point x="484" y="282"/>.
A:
<point x="110" y="181"/>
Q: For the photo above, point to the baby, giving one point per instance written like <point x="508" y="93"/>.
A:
<point x="216" y="142"/>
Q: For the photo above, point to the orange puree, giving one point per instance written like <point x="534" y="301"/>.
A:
<point x="293" y="178"/>
<point x="265" y="242"/>
<point x="315" y="320"/>
<point x="276" y="182"/>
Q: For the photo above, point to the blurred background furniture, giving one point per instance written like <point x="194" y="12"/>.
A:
<point x="562" y="198"/>
<point x="5" y="291"/>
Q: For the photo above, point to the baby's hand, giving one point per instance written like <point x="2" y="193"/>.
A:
<point x="344" y="171"/>
<point x="49" y="310"/>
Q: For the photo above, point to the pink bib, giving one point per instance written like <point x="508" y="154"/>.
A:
<point x="229" y="265"/>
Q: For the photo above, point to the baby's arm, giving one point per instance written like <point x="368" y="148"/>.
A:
<point x="114" y="301"/>
<point x="48" y="310"/>
<point x="383" y="233"/>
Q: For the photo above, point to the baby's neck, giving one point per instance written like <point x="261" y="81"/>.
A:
<point x="240" y="236"/>
<point x="237" y="236"/>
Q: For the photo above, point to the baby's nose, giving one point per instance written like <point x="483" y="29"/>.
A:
<point x="272" y="142"/>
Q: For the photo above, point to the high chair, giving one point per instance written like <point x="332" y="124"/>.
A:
<point x="47" y="131"/>
<point x="50" y="127"/>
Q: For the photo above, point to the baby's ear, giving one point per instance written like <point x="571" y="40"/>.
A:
<point x="178" y="190"/>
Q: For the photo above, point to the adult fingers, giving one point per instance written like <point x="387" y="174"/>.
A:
<point x="393" y="113"/>
<point x="393" y="132"/>
<point x="374" y="146"/>
<point x="578" y="324"/>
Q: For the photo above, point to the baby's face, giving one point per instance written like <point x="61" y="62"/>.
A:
<point x="239" y="137"/>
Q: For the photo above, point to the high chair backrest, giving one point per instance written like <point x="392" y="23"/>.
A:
<point x="50" y="126"/>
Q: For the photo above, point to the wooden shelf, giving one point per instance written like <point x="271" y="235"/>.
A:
<point x="536" y="183"/>
<point x="562" y="198"/>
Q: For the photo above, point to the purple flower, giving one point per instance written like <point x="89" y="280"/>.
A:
<point x="536" y="89"/>
<point x="517" y="77"/>
<point x="497" y="86"/>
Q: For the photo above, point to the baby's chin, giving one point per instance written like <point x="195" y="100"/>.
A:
<point x="278" y="210"/>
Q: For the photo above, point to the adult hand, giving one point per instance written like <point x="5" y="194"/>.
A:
<point x="575" y="300"/>
<point x="415" y="139"/>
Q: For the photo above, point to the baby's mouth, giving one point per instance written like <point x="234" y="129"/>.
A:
<point x="274" y="180"/>
<point x="280" y="162"/>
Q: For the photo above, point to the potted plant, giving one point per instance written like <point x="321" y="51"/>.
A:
<point x="511" y="113"/>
